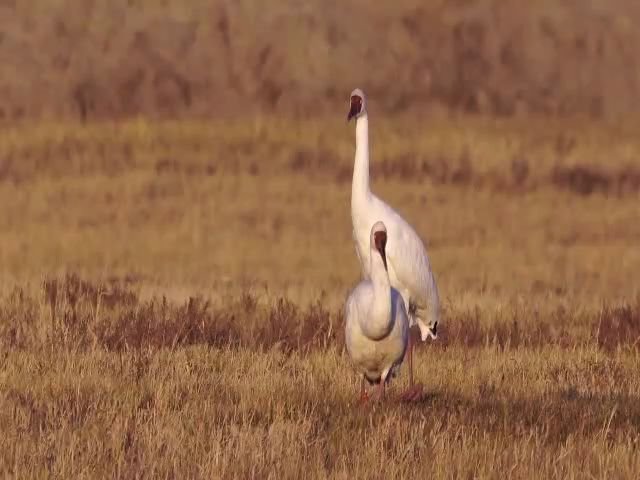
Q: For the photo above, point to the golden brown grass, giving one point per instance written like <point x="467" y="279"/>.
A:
<point x="171" y="294"/>
<point x="247" y="390"/>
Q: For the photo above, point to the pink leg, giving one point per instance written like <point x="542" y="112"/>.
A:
<point x="363" y="392"/>
<point x="410" y="353"/>
<point x="380" y="391"/>
<point x="414" y="392"/>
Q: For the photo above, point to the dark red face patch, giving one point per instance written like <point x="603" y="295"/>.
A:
<point x="356" y="107"/>
<point x="380" y="241"/>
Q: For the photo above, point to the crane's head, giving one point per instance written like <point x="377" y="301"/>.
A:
<point x="357" y="105"/>
<point x="379" y="240"/>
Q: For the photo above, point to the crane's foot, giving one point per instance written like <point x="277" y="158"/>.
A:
<point x="378" y="395"/>
<point x="414" y="393"/>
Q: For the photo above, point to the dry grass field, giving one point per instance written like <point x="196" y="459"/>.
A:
<point x="171" y="294"/>
<point x="176" y="249"/>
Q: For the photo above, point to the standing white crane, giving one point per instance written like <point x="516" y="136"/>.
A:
<point x="376" y="321"/>
<point x="408" y="264"/>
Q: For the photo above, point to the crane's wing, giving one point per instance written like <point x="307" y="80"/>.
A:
<point x="361" y="261"/>
<point x="408" y="256"/>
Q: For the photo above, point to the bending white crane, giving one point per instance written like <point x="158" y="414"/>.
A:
<point x="377" y="325"/>
<point x="408" y="264"/>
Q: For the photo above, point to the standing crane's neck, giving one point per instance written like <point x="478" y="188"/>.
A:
<point x="360" y="186"/>
<point x="379" y="321"/>
<point x="379" y="274"/>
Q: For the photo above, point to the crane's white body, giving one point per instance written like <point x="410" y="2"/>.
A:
<point x="408" y="264"/>
<point x="376" y="324"/>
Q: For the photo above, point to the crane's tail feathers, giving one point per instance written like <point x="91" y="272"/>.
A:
<point x="429" y="315"/>
<point x="428" y="328"/>
<point x="428" y="331"/>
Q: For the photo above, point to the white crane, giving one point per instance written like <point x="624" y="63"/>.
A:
<point x="408" y="264"/>
<point x="376" y="321"/>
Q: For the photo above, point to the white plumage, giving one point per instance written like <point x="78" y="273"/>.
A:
<point x="376" y="321"/>
<point x="408" y="264"/>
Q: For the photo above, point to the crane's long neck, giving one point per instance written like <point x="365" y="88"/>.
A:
<point x="379" y="321"/>
<point x="360" y="186"/>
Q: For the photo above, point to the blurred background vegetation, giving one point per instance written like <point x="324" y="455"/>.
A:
<point x="109" y="59"/>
